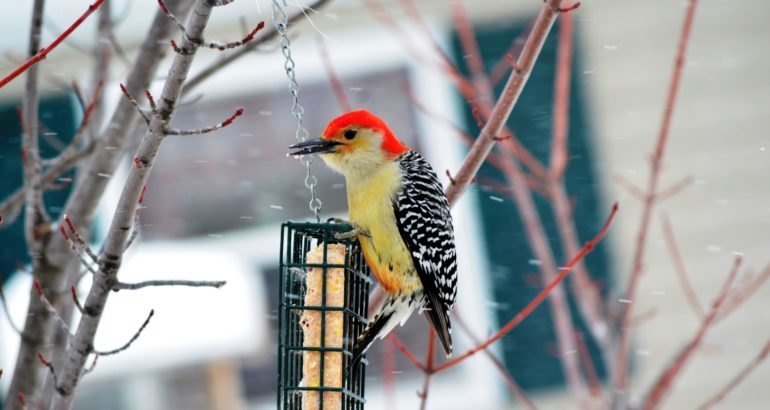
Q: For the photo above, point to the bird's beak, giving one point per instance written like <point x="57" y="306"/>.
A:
<point x="316" y="146"/>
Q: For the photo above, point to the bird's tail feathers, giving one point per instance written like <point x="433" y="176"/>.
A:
<point x="439" y="319"/>
<point x="395" y="310"/>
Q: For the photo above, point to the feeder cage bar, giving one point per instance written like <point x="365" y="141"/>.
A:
<point x="323" y="308"/>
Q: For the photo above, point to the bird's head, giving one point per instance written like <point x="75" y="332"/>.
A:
<point x="357" y="144"/>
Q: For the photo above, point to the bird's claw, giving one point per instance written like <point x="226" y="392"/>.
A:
<point x="356" y="231"/>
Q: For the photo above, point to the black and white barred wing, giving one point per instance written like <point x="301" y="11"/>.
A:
<point x="425" y="223"/>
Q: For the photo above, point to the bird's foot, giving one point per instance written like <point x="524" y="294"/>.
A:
<point x="356" y="231"/>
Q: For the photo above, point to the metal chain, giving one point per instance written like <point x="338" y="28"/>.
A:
<point x="281" y="22"/>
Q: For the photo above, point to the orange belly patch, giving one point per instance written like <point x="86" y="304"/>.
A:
<point x="387" y="279"/>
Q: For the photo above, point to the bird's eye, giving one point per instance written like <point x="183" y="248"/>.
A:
<point x="350" y="134"/>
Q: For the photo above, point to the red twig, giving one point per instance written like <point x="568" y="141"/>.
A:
<point x="388" y="375"/>
<point x="738" y="297"/>
<point x="643" y="317"/>
<point x="151" y="101"/>
<point x="428" y="369"/>
<point x="664" y="382"/>
<point x="595" y="386"/>
<point x="538" y="299"/>
<point x="334" y="79"/>
<point x="504" y="63"/>
<point x="409" y="355"/>
<point x="667" y="193"/>
<point x="724" y="391"/>
<point x="206" y="130"/>
<point x="508" y="98"/>
<point x="41" y="55"/>
<point x="512" y="384"/>
<point x="22" y="400"/>
<point x="567" y="9"/>
<point x="449" y="67"/>
<point x="620" y="373"/>
<point x="681" y="271"/>
<point x="135" y="103"/>
<point x="49" y="365"/>
<point x="473" y="58"/>
<point x="233" y="44"/>
<point x="559" y="151"/>
<point x="632" y="189"/>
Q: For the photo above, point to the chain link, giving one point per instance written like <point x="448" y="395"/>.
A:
<point x="281" y="22"/>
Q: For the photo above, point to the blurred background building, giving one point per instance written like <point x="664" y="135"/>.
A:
<point x="215" y="202"/>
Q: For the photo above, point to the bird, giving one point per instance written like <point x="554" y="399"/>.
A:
<point x="401" y="218"/>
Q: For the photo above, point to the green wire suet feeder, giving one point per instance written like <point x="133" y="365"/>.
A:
<point x="323" y="306"/>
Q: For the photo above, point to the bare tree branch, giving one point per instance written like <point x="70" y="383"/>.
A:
<point x="114" y="246"/>
<point x="619" y="375"/>
<point x="510" y="95"/>
<point x="742" y="374"/>
<point x="39" y="56"/>
<point x="57" y="261"/>
<point x="156" y="283"/>
<point x="263" y="37"/>
<point x="130" y="341"/>
<point x="663" y="384"/>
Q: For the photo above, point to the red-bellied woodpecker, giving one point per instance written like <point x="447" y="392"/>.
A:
<point x="399" y="212"/>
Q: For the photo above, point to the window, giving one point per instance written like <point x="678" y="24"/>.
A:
<point x="529" y="351"/>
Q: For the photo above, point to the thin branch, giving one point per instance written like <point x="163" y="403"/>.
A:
<point x="643" y="318"/>
<point x="221" y="46"/>
<point x="22" y="400"/>
<point x="82" y="202"/>
<point x="130" y="341"/>
<point x="539" y="246"/>
<point x="44" y="52"/>
<point x="742" y="374"/>
<point x="620" y="375"/>
<point x="632" y="188"/>
<point x="135" y="103"/>
<point x="76" y="250"/>
<point x="50" y="308"/>
<point x="740" y="296"/>
<point x="586" y="293"/>
<point x="120" y="228"/>
<point x="153" y="283"/>
<point x="559" y="150"/>
<point x="423" y="394"/>
<point x="409" y="355"/>
<point x="674" y="189"/>
<point x="79" y="239"/>
<point x="121" y="53"/>
<point x="594" y="384"/>
<point x="35" y="217"/>
<point x="172" y="17"/>
<point x="151" y="101"/>
<point x="503" y="64"/>
<point x="513" y="385"/>
<point x="681" y="271"/>
<point x="531" y="306"/>
<point x="502" y="109"/>
<point x="263" y="37"/>
<point x="663" y="384"/>
<point x="91" y="368"/>
<point x="50" y="367"/>
<point x="206" y="130"/>
<point x="11" y="206"/>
